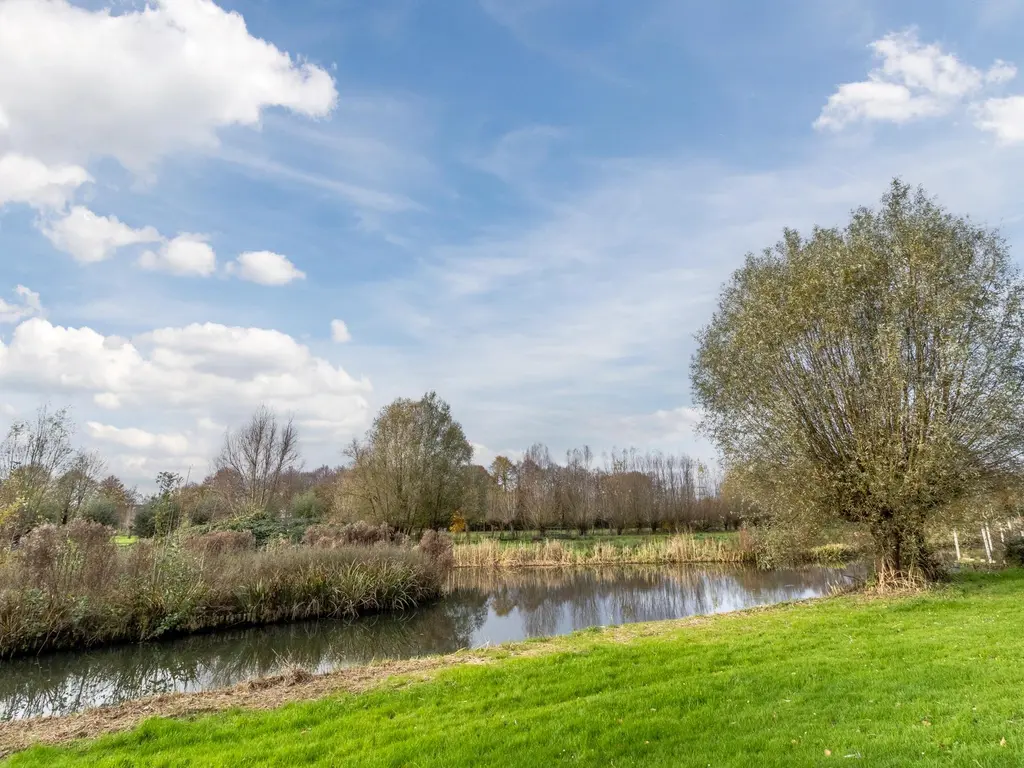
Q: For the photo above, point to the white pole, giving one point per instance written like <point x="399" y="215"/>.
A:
<point x="988" y="542"/>
<point x="956" y="543"/>
<point x="1002" y="539"/>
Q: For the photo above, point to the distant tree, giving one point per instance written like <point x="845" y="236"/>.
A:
<point x="33" y="456"/>
<point x="410" y="469"/>
<point x="536" y="488"/>
<point x="477" y="493"/>
<point x="503" y="500"/>
<point x="112" y="489"/>
<point x="872" y="374"/>
<point x="259" y="454"/>
<point x="77" y="486"/>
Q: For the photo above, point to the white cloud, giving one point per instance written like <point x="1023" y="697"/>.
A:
<point x="175" y="444"/>
<point x="77" y="83"/>
<point x="1003" y="117"/>
<point x="28" y="305"/>
<point x="184" y="255"/>
<point x="914" y="81"/>
<point x="209" y="371"/>
<point x="90" y="238"/>
<point x="265" y="268"/>
<point x="339" y="332"/>
<point x="30" y="181"/>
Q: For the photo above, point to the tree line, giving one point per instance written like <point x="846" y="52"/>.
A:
<point x="412" y="470"/>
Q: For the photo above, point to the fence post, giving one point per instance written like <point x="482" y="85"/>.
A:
<point x="988" y="542"/>
<point x="956" y="543"/>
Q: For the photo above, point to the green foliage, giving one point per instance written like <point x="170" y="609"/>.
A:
<point x="930" y="680"/>
<point x="410" y="471"/>
<point x="308" y="506"/>
<point x="144" y="524"/>
<point x="103" y="511"/>
<point x="869" y="374"/>
<point x="1015" y="549"/>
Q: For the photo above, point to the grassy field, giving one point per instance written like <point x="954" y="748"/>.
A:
<point x="925" y="680"/>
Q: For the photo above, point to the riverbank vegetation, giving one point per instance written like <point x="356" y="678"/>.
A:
<point x="927" y="679"/>
<point x="653" y="551"/>
<point x="73" y="587"/>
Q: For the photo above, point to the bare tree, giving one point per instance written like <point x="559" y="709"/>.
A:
<point x="33" y="456"/>
<point x="259" y="453"/>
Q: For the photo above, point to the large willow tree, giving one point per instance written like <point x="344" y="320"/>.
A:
<point x="872" y="374"/>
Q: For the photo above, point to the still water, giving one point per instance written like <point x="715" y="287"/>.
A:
<point x="483" y="607"/>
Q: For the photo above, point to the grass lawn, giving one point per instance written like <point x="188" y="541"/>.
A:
<point x="125" y="541"/>
<point x="927" y="680"/>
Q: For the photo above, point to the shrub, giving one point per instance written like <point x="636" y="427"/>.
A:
<point x="103" y="511"/>
<point x="221" y="542"/>
<point x="359" y="534"/>
<point x="833" y="554"/>
<point x="262" y="526"/>
<point x="1015" y="549"/>
<point x="308" y="506"/>
<point x="438" y="547"/>
<point x="144" y="524"/>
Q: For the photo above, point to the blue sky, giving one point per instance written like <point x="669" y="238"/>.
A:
<point x="526" y="205"/>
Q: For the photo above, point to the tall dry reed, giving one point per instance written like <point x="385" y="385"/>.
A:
<point x="671" y="550"/>
<point x="68" y="587"/>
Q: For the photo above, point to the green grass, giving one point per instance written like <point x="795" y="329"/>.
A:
<point x="927" y="680"/>
<point x="125" y="541"/>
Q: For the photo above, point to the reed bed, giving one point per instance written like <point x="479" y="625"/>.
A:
<point x="662" y="551"/>
<point x="72" y="587"/>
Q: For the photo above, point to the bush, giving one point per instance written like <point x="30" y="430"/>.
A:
<point x="103" y="511"/>
<point x="438" y="548"/>
<point x="144" y="524"/>
<point x="1015" y="549"/>
<point x="834" y="554"/>
<point x="221" y="542"/>
<point x="308" y="506"/>
<point x="263" y="527"/>
<point x="360" y="534"/>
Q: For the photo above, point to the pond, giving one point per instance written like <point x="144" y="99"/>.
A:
<point x="483" y="607"/>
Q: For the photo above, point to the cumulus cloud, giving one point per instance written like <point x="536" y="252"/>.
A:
<point x="90" y="238"/>
<point x="175" y="444"/>
<point x="913" y="81"/>
<point x="265" y="268"/>
<point x="1003" y="117"/>
<point x="184" y="255"/>
<point x="339" y="332"/>
<point x="204" y="369"/>
<point x="28" y="304"/>
<point x="30" y="181"/>
<point x="77" y="83"/>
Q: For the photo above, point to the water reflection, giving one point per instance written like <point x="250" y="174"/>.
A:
<point x="483" y="608"/>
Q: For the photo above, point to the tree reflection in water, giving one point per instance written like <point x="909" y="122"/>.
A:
<point x="483" y="607"/>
